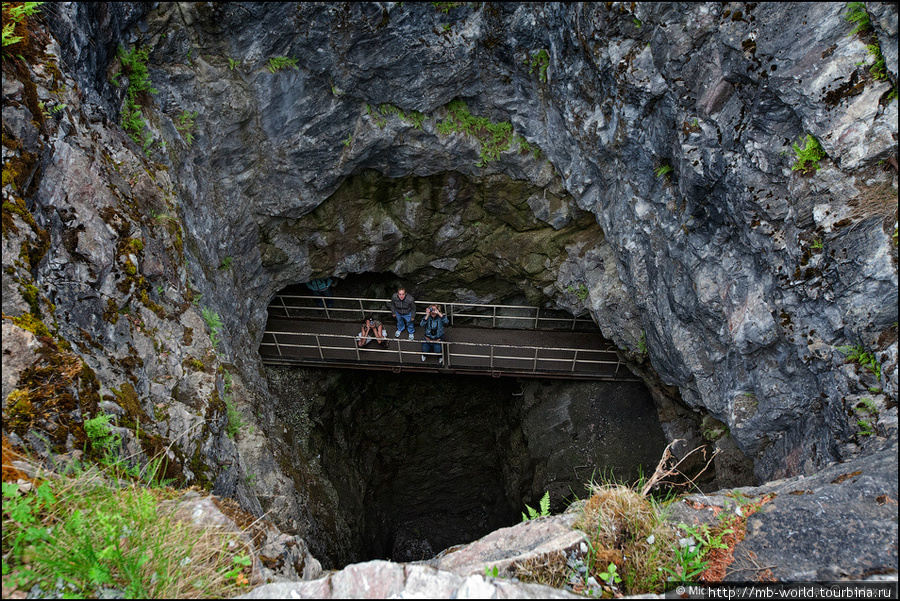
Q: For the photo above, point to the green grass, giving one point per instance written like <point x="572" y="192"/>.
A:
<point x="75" y="535"/>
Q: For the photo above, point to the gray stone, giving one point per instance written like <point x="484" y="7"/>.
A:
<point x="839" y="524"/>
<point x="506" y="546"/>
<point x="383" y="580"/>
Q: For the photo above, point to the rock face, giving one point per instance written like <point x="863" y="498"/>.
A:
<point x="740" y="274"/>
<point x="631" y="160"/>
<point x="839" y="524"/>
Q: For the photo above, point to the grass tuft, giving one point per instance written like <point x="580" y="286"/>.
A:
<point x="627" y="529"/>
<point x="93" y="533"/>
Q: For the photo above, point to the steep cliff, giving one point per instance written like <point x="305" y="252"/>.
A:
<point x="644" y="152"/>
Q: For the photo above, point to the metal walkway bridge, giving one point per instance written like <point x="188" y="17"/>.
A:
<point x="498" y="340"/>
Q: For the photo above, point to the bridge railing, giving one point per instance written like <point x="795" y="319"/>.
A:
<point x="342" y="308"/>
<point x="294" y="347"/>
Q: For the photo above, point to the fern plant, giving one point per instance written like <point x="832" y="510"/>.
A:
<point x="539" y="61"/>
<point x="278" y="63"/>
<point x="544" y="509"/>
<point x="134" y="64"/>
<point x="809" y="156"/>
<point x="185" y="125"/>
<point x="856" y="13"/>
<point x="858" y="354"/>
<point x="16" y="14"/>
<point x="663" y="170"/>
<point x="493" y="138"/>
<point x="878" y="68"/>
<point x="214" y="322"/>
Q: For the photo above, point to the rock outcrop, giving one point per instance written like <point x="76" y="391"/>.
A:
<point x="635" y="161"/>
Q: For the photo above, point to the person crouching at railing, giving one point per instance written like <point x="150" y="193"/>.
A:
<point x="433" y="322"/>
<point x="372" y="330"/>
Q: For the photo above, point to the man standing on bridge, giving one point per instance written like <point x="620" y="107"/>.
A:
<point x="403" y="307"/>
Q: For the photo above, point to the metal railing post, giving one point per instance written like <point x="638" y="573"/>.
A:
<point x="362" y="310"/>
<point x="494" y="320"/>
<point x="278" y="348"/>
<point x="534" y="367"/>
<point x="319" y="346"/>
<point x="574" y="360"/>
<point x="446" y="345"/>
<point x="537" y="316"/>
<point x="400" y="351"/>
<point x="492" y="357"/>
<point x="284" y="304"/>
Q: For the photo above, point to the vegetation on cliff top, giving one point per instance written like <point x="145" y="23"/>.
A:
<point x="633" y="548"/>
<point x="105" y="529"/>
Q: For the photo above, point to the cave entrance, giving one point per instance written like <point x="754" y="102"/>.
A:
<point x="407" y="465"/>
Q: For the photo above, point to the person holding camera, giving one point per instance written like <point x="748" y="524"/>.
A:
<point x="372" y="330"/>
<point x="433" y="322"/>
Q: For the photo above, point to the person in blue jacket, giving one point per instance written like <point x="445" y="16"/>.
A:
<point x="322" y="287"/>
<point x="433" y="322"/>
